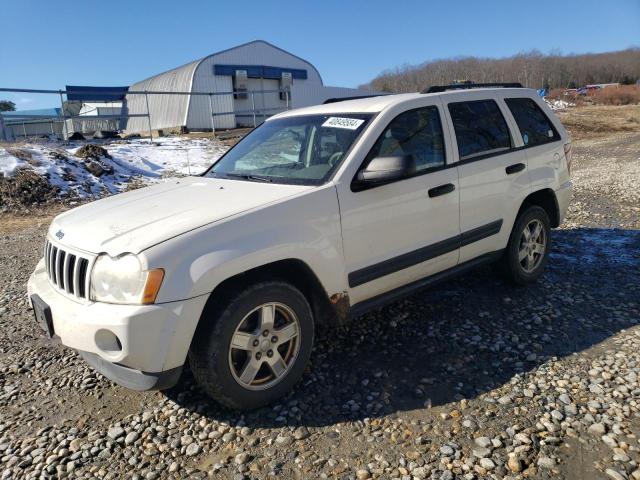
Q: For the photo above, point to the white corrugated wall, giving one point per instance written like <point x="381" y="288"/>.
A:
<point x="34" y="128"/>
<point x="199" y="113"/>
<point x="167" y="111"/>
<point x="90" y="125"/>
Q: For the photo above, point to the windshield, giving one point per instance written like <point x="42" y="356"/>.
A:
<point x="303" y="150"/>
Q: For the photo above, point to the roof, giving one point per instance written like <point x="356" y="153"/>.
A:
<point x="43" y="112"/>
<point x="192" y="66"/>
<point x="379" y="103"/>
<point x="361" y="105"/>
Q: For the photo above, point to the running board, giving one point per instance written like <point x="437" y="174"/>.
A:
<point x="406" y="290"/>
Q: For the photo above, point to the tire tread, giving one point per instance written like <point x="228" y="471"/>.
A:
<point x="203" y="354"/>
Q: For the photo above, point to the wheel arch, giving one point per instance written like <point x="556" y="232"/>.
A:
<point x="327" y="309"/>
<point x="546" y="199"/>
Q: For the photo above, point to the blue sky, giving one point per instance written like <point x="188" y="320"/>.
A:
<point x="49" y="44"/>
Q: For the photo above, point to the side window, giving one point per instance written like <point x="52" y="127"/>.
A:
<point x="534" y="125"/>
<point x="416" y="132"/>
<point x="480" y="128"/>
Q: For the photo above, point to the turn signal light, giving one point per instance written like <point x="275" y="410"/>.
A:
<point x="152" y="287"/>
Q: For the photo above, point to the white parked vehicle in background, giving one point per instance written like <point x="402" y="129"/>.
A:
<point x="318" y="215"/>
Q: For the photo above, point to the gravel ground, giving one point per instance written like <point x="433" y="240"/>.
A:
<point x="471" y="379"/>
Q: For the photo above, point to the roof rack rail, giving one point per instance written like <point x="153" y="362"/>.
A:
<point x="344" y="99"/>
<point x="467" y="86"/>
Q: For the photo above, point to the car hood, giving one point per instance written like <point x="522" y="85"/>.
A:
<point x="136" y="220"/>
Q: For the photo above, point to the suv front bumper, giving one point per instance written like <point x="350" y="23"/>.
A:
<point x="137" y="346"/>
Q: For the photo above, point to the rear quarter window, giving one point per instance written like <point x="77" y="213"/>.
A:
<point x="480" y="128"/>
<point x="535" y="127"/>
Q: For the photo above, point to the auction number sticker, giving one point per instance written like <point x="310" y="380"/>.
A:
<point x="341" y="122"/>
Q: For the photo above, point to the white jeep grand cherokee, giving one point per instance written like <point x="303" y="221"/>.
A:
<point x="318" y="215"/>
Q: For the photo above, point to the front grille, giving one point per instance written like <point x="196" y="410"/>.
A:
<point x="67" y="271"/>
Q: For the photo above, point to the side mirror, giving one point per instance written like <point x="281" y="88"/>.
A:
<point x="387" y="169"/>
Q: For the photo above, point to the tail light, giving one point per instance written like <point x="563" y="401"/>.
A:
<point x="567" y="155"/>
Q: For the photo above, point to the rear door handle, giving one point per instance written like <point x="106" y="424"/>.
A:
<point x="516" y="167"/>
<point x="441" y="190"/>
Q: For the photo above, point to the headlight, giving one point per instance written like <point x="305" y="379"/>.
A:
<point x="122" y="280"/>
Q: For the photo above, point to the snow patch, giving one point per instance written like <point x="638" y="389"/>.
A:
<point x="8" y="163"/>
<point x="598" y="245"/>
<point x="131" y="160"/>
<point x="558" y="104"/>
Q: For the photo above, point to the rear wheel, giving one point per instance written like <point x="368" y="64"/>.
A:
<point x="529" y="245"/>
<point x="252" y="350"/>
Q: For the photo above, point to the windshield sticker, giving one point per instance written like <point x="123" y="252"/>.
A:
<point x="340" y="122"/>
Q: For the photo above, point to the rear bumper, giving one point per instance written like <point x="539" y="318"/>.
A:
<point x="141" y="347"/>
<point x="564" y="195"/>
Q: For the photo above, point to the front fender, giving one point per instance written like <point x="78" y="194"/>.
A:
<point x="305" y="228"/>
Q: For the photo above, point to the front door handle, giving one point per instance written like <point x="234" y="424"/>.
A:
<point x="441" y="190"/>
<point x="516" y="167"/>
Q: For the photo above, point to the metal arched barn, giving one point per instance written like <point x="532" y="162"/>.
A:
<point x="236" y="77"/>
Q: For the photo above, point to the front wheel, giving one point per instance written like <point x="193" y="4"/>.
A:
<point x="529" y="246"/>
<point x="252" y="350"/>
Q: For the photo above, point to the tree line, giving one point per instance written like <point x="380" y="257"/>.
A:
<point x="533" y="69"/>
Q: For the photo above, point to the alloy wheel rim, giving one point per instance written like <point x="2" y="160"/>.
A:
<point x="264" y="346"/>
<point x="533" y="244"/>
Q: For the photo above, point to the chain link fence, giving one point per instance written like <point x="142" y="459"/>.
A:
<point x="69" y="118"/>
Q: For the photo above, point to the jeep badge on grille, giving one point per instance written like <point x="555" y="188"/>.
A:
<point x="59" y="234"/>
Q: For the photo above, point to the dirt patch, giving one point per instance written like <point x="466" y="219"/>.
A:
<point x="26" y="219"/>
<point x="599" y="121"/>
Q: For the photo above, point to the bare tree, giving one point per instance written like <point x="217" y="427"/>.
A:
<point x="532" y="69"/>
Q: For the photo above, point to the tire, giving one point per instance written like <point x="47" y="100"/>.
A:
<point x="249" y="376"/>
<point x="512" y="266"/>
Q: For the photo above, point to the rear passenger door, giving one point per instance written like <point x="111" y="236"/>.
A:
<point x="541" y="141"/>
<point x="492" y="171"/>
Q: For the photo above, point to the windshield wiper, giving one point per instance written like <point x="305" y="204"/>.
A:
<point x="246" y="176"/>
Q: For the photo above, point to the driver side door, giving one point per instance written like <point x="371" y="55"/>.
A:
<point x="400" y="232"/>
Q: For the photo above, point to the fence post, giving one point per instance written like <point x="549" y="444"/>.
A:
<point x="253" y="109"/>
<point x="286" y="96"/>
<point x="146" y="98"/>
<point x="24" y="131"/>
<point x="213" y="127"/>
<point x="64" y="117"/>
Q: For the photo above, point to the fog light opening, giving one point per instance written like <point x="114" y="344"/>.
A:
<point x="108" y="342"/>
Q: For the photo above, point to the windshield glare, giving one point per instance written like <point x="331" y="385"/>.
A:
<point x="303" y="150"/>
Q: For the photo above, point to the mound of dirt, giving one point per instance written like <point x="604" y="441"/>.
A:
<point x="106" y="134"/>
<point x="26" y="188"/>
<point x="98" y="168"/>
<point x="76" y="136"/>
<point x="92" y="152"/>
